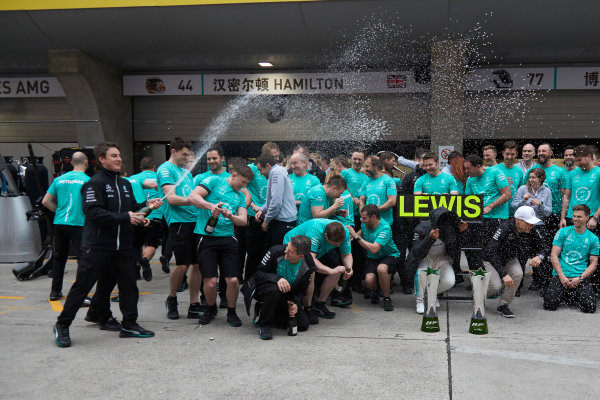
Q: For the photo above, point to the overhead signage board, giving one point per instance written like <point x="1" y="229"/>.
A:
<point x="511" y="79"/>
<point x="578" y="78"/>
<point x="31" y="87"/>
<point x="272" y="84"/>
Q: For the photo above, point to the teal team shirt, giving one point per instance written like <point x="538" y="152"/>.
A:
<point x="315" y="197"/>
<point x="315" y="230"/>
<point x="556" y="179"/>
<point x="441" y="184"/>
<point x="489" y="185"/>
<point x="219" y="191"/>
<point x="585" y="189"/>
<point x="198" y="178"/>
<point x="141" y="194"/>
<point x="348" y="206"/>
<point x="302" y="184"/>
<point x="288" y="271"/>
<point x="354" y="181"/>
<point x="169" y="174"/>
<point x="381" y="235"/>
<point x="515" y="173"/>
<point x="67" y="191"/>
<point x="257" y="188"/>
<point x="576" y="250"/>
<point x="376" y="191"/>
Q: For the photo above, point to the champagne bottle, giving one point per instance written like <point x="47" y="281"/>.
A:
<point x="292" y="327"/>
<point x="210" y="224"/>
<point x="341" y="284"/>
<point x="146" y="210"/>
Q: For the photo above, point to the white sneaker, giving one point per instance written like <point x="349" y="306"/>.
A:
<point x="420" y="306"/>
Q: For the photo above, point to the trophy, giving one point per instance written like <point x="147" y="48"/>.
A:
<point x="480" y="280"/>
<point x="431" y="279"/>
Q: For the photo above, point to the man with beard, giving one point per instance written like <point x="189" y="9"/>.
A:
<point x="215" y="159"/>
<point x="569" y="159"/>
<point x="434" y="181"/>
<point x="513" y="174"/>
<point x="380" y="189"/>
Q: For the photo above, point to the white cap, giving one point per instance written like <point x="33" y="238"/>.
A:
<point x="527" y="214"/>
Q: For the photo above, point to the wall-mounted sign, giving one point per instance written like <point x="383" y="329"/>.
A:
<point x="443" y="153"/>
<point x="272" y="84"/>
<point x="31" y="87"/>
<point x="511" y="79"/>
<point x="578" y="78"/>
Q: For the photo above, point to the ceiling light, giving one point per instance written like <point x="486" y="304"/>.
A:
<point x="265" y="64"/>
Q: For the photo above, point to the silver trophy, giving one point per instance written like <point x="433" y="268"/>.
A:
<point x="430" y="280"/>
<point x="480" y="280"/>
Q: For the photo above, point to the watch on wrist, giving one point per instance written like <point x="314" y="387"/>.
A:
<point x="597" y="219"/>
<point x="358" y="237"/>
<point x="581" y="278"/>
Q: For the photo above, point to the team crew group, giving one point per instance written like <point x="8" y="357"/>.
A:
<point x="297" y="235"/>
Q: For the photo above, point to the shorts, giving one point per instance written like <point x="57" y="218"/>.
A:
<point x="183" y="241"/>
<point x="372" y="263"/>
<point x="153" y="233"/>
<point x="218" y="252"/>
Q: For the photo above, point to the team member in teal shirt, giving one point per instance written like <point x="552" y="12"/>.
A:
<point x="380" y="189"/>
<point x="354" y="180"/>
<point x="583" y="187"/>
<point x="145" y="187"/>
<point x="435" y="181"/>
<point x="221" y="198"/>
<point x="64" y="198"/>
<point x="375" y="236"/>
<point x="325" y="235"/>
<point x="492" y="185"/>
<point x="255" y="236"/>
<point x="302" y="181"/>
<point x="513" y="174"/>
<point x="575" y="258"/>
<point x="176" y="184"/>
<point x="323" y="201"/>
<point x="215" y="159"/>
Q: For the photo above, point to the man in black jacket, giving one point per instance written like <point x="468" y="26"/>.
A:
<point x="107" y="249"/>
<point x="515" y="241"/>
<point x="282" y="279"/>
<point x="437" y="244"/>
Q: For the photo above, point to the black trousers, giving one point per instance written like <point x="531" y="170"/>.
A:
<point x="255" y="240"/>
<point x="64" y="235"/>
<point x="274" y="307"/>
<point x="275" y="233"/>
<point x="478" y="237"/>
<point x="543" y="273"/>
<point x="583" y="295"/>
<point x="105" y="267"/>
<point x="404" y="236"/>
<point x="359" y="257"/>
<point x="167" y="248"/>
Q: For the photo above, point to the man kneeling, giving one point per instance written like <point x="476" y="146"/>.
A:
<point x="282" y="279"/>
<point x="574" y="257"/>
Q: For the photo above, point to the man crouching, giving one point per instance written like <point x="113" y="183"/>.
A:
<point x="282" y="279"/>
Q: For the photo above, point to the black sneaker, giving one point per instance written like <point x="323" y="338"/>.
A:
<point x="115" y="299"/>
<point x="505" y="311"/>
<point x="146" y="269"/>
<point x="312" y="316"/>
<point x="518" y="292"/>
<point x="233" y="319"/>
<point x="339" y="300"/>
<point x="209" y="314"/>
<point x="92" y="317"/>
<point x="407" y="289"/>
<point x="195" y="310"/>
<point x="322" y="311"/>
<point x="368" y="293"/>
<point x="264" y="332"/>
<point x="171" y="305"/>
<point x="165" y="264"/>
<point x="223" y="302"/>
<point x="135" y="331"/>
<point x="61" y="335"/>
<point x="387" y="304"/>
<point x="111" y="325"/>
<point x="375" y="300"/>
<point x="54" y="295"/>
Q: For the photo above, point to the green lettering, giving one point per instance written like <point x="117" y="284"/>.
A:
<point x="419" y="206"/>
<point x="469" y="204"/>
<point x="401" y="211"/>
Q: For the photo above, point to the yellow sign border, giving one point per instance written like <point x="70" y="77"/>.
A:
<point x="26" y="5"/>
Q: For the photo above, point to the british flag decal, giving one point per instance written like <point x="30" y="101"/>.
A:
<point x="396" y="81"/>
